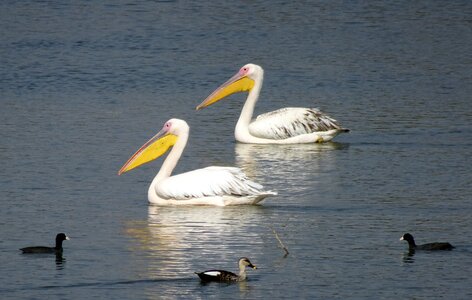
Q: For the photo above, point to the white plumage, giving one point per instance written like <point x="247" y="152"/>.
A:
<point x="290" y="125"/>
<point x="207" y="182"/>
<point x="291" y="121"/>
<point x="208" y="186"/>
<point x="212" y="273"/>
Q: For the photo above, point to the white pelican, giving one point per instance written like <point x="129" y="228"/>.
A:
<point x="208" y="186"/>
<point x="291" y="125"/>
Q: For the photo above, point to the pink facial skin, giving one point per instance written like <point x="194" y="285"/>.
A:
<point x="243" y="71"/>
<point x="167" y="126"/>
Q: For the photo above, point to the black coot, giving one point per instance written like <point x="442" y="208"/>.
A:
<point x="430" y="246"/>
<point x="60" y="237"/>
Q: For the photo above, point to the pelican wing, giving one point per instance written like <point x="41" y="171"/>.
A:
<point x="291" y="121"/>
<point x="207" y="182"/>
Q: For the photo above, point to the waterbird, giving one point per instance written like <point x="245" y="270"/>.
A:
<point x="226" y="276"/>
<point x="291" y="125"/>
<point x="429" y="246"/>
<point x="213" y="185"/>
<point x="60" y="237"/>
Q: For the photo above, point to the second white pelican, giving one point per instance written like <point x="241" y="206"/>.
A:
<point x="208" y="186"/>
<point x="291" y="125"/>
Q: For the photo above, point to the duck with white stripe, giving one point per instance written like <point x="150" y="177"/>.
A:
<point x="226" y="276"/>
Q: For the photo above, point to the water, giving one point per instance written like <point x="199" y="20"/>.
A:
<point x="84" y="84"/>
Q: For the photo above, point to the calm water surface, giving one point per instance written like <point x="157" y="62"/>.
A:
<point x="84" y="84"/>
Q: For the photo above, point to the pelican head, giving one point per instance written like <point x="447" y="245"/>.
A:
<point x="243" y="81"/>
<point x="157" y="145"/>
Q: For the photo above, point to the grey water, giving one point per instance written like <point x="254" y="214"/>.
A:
<point x="83" y="84"/>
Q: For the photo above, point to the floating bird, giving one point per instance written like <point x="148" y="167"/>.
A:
<point x="208" y="186"/>
<point x="291" y="125"/>
<point x="60" y="237"/>
<point x="226" y="276"/>
<point x="430" y="246"/>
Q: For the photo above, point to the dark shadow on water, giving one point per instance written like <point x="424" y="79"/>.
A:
<point x="223" y="283"/>
<point x="244" y="286"/>
<point x="101" y="284"/>
<point x="60" y="261"/>
<point x="408" y="256"/>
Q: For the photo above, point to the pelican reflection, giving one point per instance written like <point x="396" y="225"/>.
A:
<point x="292" y="166"/>
<point x="176" y="241"/>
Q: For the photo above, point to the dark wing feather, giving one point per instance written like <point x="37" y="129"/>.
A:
<point x="435" y="246"/>
<point x="38" y="249"/>
<point x="292" y="121"/>
<point x="217" y="275"/>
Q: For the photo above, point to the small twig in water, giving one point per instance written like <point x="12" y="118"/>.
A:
<point x="280" y="241"/>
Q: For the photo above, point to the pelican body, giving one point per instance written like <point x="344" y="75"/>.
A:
<point x="208" y="186"/>
<point x="226" y="276"/>
<point x="291" y="125"/>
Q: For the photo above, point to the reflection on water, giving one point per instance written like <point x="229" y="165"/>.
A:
<point x="247" y="153"/>
<point x="60" y="261"/>
<point x="282" y="158"/>
<point x="244" y="287"/>
<point x="182" y="240"/>
<point x="395" y="74"/>
<point x="175" y="242"/>
<point x="294" y="166"/>
<point x="408" y="256"/>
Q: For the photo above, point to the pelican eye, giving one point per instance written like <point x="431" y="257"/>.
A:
<point x="244" y="70"/>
